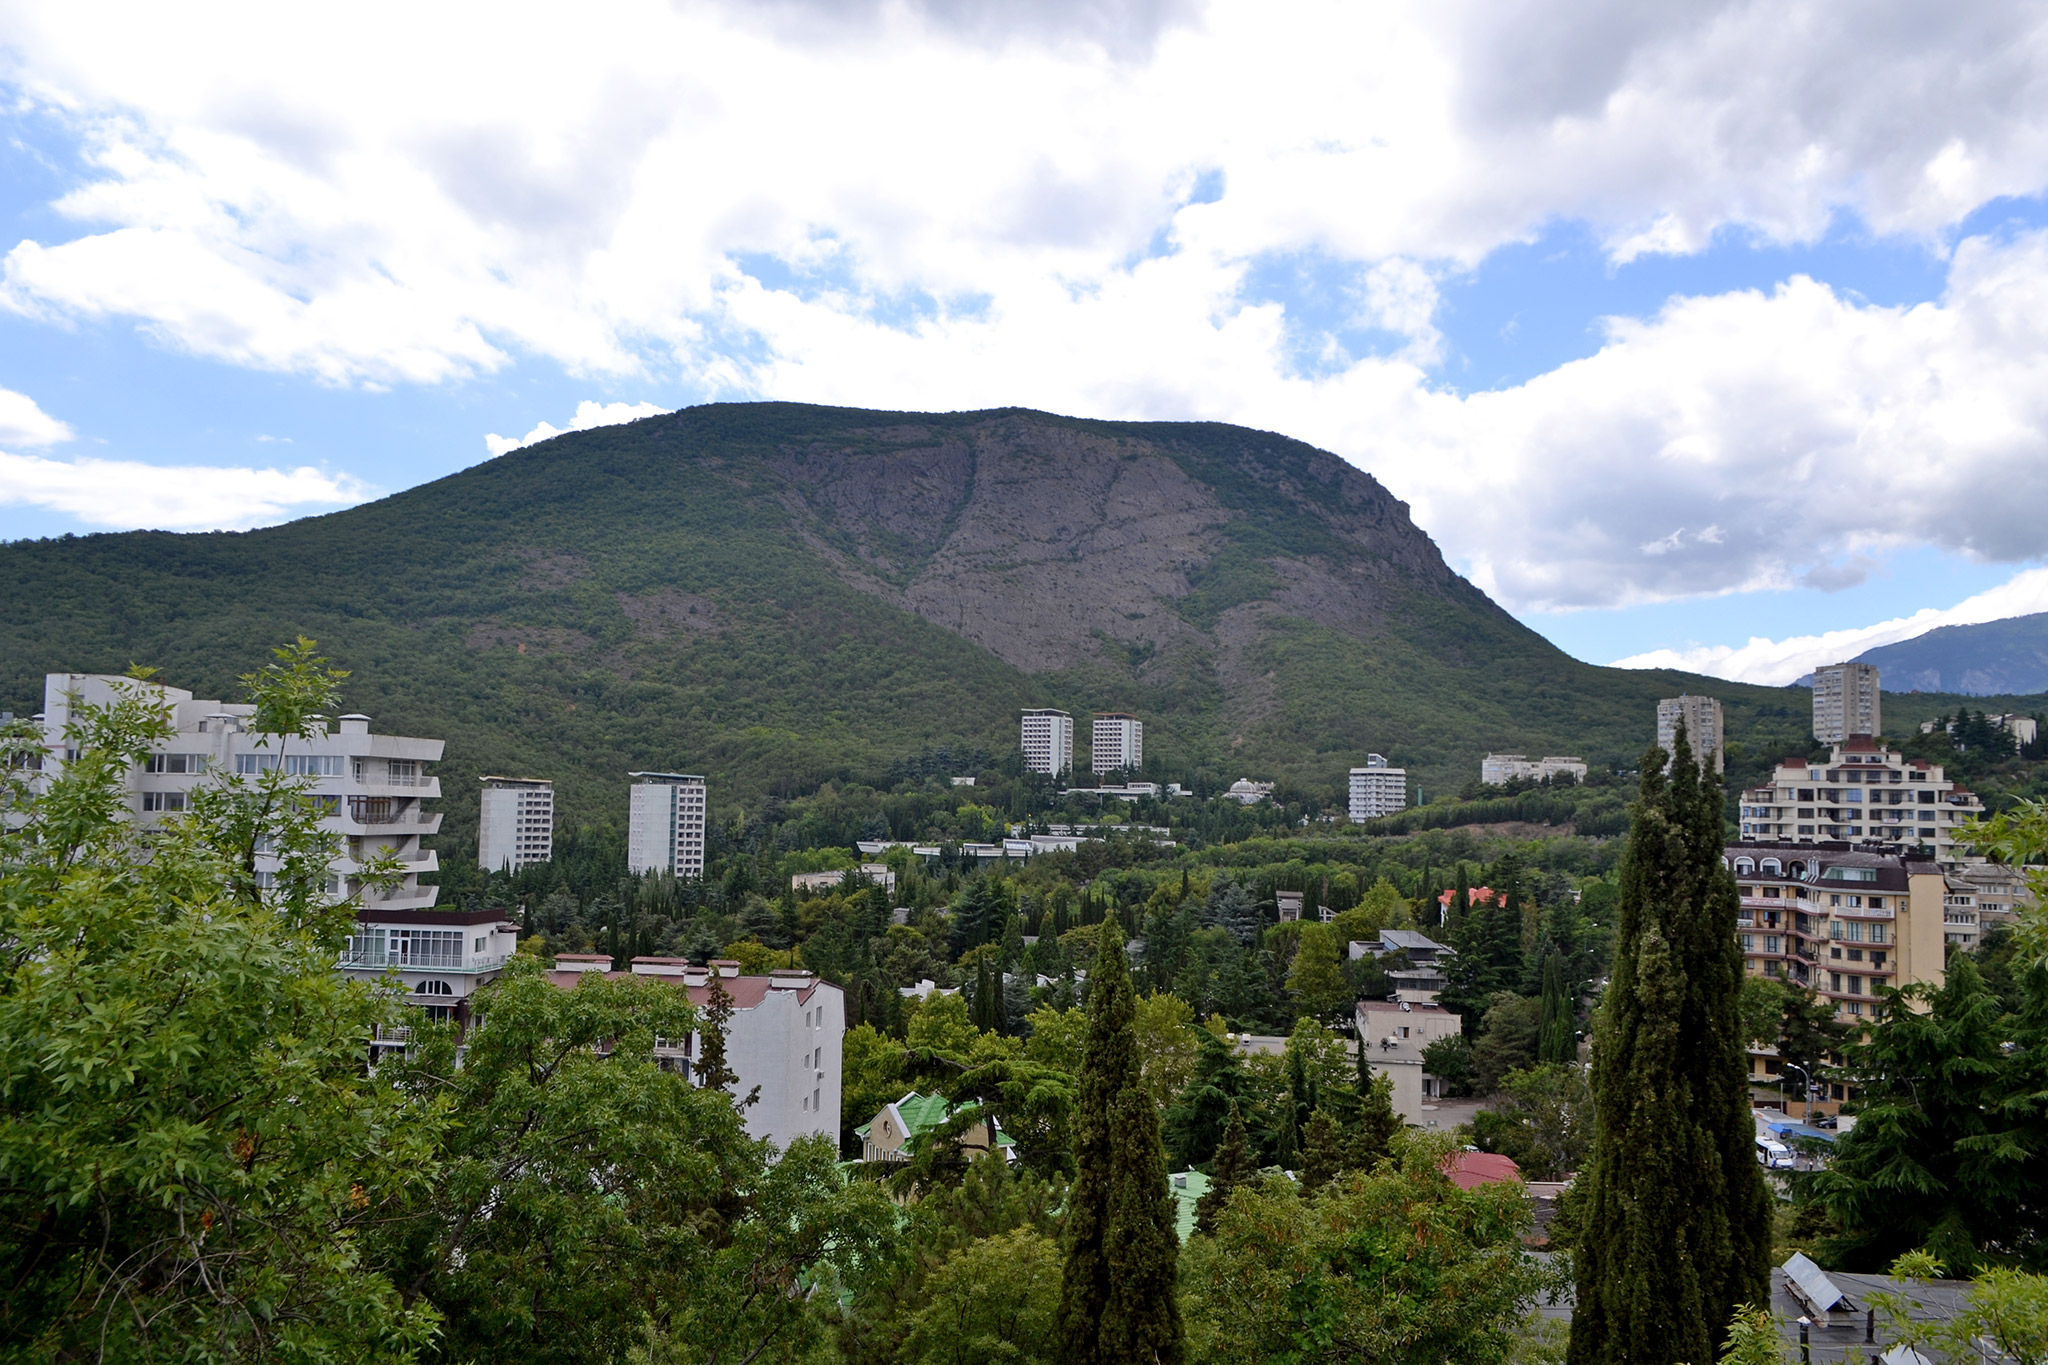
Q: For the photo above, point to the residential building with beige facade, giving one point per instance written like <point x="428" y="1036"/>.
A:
<point x="1394" y="1036"/>
<point x="1864" y="793"/>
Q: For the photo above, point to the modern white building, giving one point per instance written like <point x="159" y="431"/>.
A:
<point x="1845" y="702"/>
<point x="1377" y="789"/>
<point x="516" y="823"/>
<point x="374" y="788"/>
<point x="1118" y="743"/>
<point x="665" y="825"/>
<point x="1048" y="739"/>
<point x="1701" y="717"/>
<point x="1498" y="769"/>
<point x="784" y="1036"/>
<point x="1863" y="794"/>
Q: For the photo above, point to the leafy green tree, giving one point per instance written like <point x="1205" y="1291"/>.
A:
<point x="2006" y="1311"/>
<point x="1234" y="1166"/>
<point x="1948" y="1153"/>
<point x="1398" y="1266"/>
<point x="994" y="1299"/>
<point x="1378" y="1122"/>
<point x="1317" y="978"/>
<point x="190" y="1152"/>
<point x="1542" y="1119"/>
<point x="1231" y="907"/>
<point x="1117" y="1302"/>
<point x="1673" y="1188"/>
<point x="1508" y="1039"/>
<point x="1450" y="1061"/>
<point x="1753" y="1338"/>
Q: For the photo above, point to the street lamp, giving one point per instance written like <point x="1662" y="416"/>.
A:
<point x="1805" y="1076"/>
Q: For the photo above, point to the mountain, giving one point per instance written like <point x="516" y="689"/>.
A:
<point x="1996" y="657"/>
<point x="780" y="595"/>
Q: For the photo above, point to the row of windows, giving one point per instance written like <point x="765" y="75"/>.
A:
<point x="292" y="765"/>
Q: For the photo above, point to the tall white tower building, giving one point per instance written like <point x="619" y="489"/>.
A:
<point x="665" y="829"/>
<point x="516" y="825"/>
<point x="1845" y="702"/>
<point x="1702" y="719"/>
<point x="1118" y="742"/>
<point x="1377" y="789"/>
<point x="1048" y="742"/>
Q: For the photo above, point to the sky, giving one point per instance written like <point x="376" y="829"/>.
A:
<point x="1711" y="335"/>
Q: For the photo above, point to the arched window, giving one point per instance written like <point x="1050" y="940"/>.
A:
<point x="1772" y="865"/>
<point x="433" y="988"/>
<point x="1799" y="869"/>
<point x="1745" y="866"/>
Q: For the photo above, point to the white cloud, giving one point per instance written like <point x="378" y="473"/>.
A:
<point x="940" y="205"/>
<point x="126" y="493"/>
<point x="1777" y="662"/>
<point x="22" y="423"/>
<point x="588" y="414"/>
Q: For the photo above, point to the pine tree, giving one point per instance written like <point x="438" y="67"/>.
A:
<point x="1682" y="1219"/>
<point x="1233" y="1166"/>
<point x="713" y="1071"/>
<point x="1373" y="1139"/>
<point x="1556" y="1038"/>
<point x="1117" y="1304"/>
<point x="1323" y="1157"/>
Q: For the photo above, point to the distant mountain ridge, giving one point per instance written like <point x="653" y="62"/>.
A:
<point x="1989" y="659"/>
<point x="780" y="595"/>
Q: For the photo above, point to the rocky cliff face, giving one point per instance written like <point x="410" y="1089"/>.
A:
<point x="1055" y="545"/>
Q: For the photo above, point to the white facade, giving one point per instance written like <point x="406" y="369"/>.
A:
<point x="376" y="788"/>
<point x="516" y="823"/>
<point x="784" y="1036"/>
<point x="1702" y="719"/>
<point x="1118" y="742"/>
<point x="1377" y="789"/>
<point x="1498" y="769"/>
<point x="665" y="830"/>
<point x="1048" y="740"/>
<point x="1845" y="702"/>
<point x="1394" y="1036"/>
<point x="1864" y="793"/>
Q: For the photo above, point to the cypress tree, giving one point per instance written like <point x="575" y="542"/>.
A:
<point x="1232" y="1167"/>
<point x="1679" y="1223"/>
<point x="1377" y="1121"/>
<point x="1322" y="1152"/>
<point x="1117" y="1304"/>
<point x="1556" y="1039"/>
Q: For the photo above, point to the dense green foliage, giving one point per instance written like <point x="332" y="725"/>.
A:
<point x="1679" y="1222"/>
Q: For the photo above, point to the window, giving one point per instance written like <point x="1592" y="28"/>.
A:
<point x="1877" y="933"/>
<point x="175" y="763"/>
<point x="1749" y="943"/>
<point x="1774" y="867"/>
<point x="1877" y="902"/>
<point x="163" y="801"/>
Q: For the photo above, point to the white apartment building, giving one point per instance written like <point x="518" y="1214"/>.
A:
<point x="1118" y="742"/>
<point x="1498" y="769"/>
<point x="374" y="788"/>
<point x="516" y="823"/>
<point x="1377" y="789"/>
<point x="1864" y="793"/>
<point x="665" y="825"/>
<point x="2023" y="729"/>
<point x="784" y="1036"/>
<point x="1701" y="717"/>
<point x="1845" y="702"/>
<point x="1048" y="739"/>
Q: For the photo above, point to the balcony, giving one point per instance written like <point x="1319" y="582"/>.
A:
<point x="457" y="964"/>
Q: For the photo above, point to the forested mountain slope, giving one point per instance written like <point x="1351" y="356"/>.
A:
<point x="777" y="594"/>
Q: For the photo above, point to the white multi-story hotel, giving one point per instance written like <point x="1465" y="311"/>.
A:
<point x="1118" y="742"/>
<point x="1377" y="789"/>
<point x="1845" y="702"/>
<point x="1048" y="739"/>
<point x="1498" y="769"/>
<point x="665" y="829"/>
<point x="784" y="1036"/>
<point x="1864" y="793"/>
<point x="516" y="823"/>
<point x="1701" y="717"/>
<point x="374" y="788"/>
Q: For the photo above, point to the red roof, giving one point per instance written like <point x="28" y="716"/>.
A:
<point x="1470" y="1170"/>
<point x="1859" y="744"/>
<point x="1792" y="763"/>
<point x="1481" y="895"/>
